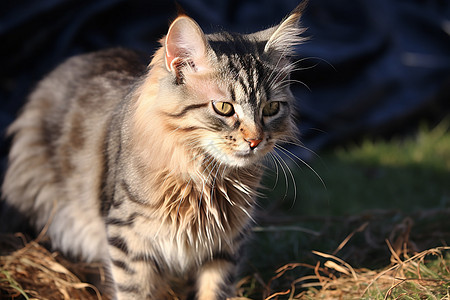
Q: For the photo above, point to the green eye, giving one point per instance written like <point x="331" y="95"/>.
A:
<point x="271" y="109"/>
<point x="223" y="108"/>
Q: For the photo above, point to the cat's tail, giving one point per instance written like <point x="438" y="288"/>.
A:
<point x="27" y="186"/>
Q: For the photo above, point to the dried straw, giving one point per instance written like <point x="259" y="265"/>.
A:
<point x="35" y="273"/>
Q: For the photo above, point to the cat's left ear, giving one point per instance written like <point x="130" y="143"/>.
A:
<point x="185" y="46"/>
<point x="284" y="37"/>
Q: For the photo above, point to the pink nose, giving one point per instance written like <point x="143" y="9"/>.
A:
<point x="253" y="143"/>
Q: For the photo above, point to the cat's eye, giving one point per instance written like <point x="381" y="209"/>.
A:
<point x="271" y="109"/>
<point x="223" y="108"/>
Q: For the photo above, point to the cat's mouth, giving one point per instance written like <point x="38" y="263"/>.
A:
<point x="246" y="157"/>
<point x="240" y="157"/>
<point x="245" y="154"/>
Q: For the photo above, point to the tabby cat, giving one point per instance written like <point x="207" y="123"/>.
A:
<point x="152" y="170"/>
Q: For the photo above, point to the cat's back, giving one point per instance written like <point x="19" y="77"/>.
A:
<point x="90" y="79"/>
<point x="88" y="83"/>
<point x="57" y="146"/>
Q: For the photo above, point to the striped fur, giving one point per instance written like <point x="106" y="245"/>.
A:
<point x="139" y="168"/>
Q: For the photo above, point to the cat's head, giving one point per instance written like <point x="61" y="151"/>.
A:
<point x="228" y="94"/>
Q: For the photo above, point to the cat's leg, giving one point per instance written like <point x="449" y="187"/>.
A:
<point x="216" y="280"/>
<point x="135" y="276"/>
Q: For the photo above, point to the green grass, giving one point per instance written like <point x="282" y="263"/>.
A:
<point x="372" y="190"/>
<point x="6" y="277"/>
<point x="404" y="173"/>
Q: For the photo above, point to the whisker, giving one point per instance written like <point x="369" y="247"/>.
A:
<point x="290" y="155"/>
<point x="206" y="180"/>
<point x="297" y="69"/>
<point x="175" y="130"/>
<point x="283" y="71"/>
<point x="276" y="65"/>
<point x="299" y="144"/>
<point x="277" y="159"/>
<point x="290" y="68"/>
<point x="292" y="176"/>
<point x="223" y="172"/>
<point x="276" y="170"/>
<point x="285" y="83"/>
<point x="317" y="58"/>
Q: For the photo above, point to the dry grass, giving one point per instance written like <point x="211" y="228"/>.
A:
<point x="411" y="278"/>
<point x="29" y="271"/>
<point x="423" y="275"/>
<point x="32" y="272"/>
<point x="405" y="279"/>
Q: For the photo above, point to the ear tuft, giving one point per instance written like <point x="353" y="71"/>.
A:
<point x="286" y="35"/>
<point x="185" y="45"/>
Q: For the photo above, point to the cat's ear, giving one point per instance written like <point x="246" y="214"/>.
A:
<point x="284" y="37"/>
<point x="185" y="46"/>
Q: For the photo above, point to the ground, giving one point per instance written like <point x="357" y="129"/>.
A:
<point x="372" y="221"/>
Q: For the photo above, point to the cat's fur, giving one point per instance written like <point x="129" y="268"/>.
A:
<point x="133" y="166"/>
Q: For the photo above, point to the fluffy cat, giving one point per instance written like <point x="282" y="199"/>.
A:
<point x="152" y="170"/>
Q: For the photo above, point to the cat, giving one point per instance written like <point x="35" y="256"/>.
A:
<point x="152" y="169"/>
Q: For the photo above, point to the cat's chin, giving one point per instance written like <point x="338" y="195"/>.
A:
<point x="240" y="159"/>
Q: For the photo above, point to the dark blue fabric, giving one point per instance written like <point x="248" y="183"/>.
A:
<point x="373" y="67"/>
<point x="390" y="67"/>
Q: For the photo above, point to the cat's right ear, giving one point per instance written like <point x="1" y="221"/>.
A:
<point x="284" y="37"/>
<point x="185" y="46"/>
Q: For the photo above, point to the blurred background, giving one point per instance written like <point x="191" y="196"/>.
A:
<point x="372" y="67"/>
<point x="373" y="109"/>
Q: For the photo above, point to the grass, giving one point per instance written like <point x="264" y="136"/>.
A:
<point x="404" y="173"/>
<point x="32" y="272"/>
<point x="8" y="280"/>
<point x="425" y="275"/>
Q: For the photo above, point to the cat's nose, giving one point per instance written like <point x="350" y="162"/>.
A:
<point x="253" y="143"/>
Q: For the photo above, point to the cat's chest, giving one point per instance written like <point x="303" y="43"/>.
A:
<point x="182" y="248"/>
<point x="182" y="224"/>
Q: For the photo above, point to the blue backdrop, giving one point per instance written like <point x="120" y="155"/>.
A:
<point x="372" y="67"/>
